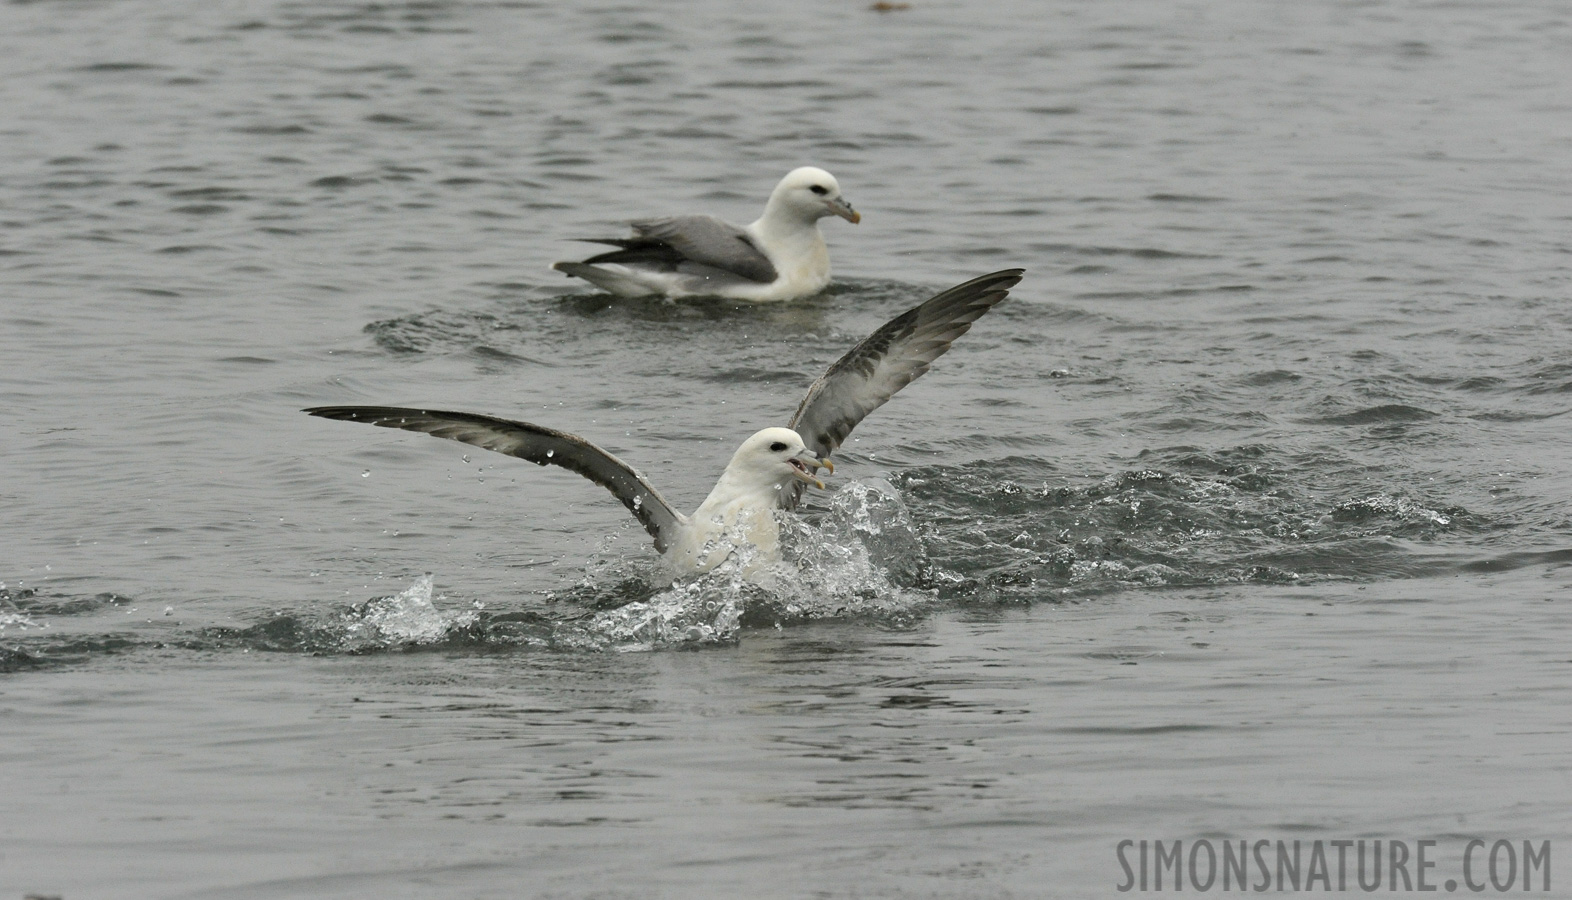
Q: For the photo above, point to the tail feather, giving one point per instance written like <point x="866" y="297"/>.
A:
<point x="619" y="283"/>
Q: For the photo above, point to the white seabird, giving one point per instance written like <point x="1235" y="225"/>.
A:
<point x="771" y="468"/>
<point x="781" y="256"/>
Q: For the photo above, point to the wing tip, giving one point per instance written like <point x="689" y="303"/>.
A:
<point x="998" y="279"/>
<point x="371" y="415"/>
<point x="989" y="290"/>
<point x="1002" y="280"/>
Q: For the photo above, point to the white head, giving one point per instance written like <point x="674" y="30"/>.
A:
<point x="810" y="194"/>
<point x="776" y="457"/>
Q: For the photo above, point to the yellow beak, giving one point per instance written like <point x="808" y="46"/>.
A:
<point x="803" y="461"/>
<point x="841" y="208"/>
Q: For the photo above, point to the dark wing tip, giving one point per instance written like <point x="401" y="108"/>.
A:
<point x="993" y="283"/>
<point x="328" y="412"/>
<point x="531" y="443"/>
<point x="352" y="413"/>
<point x="1002" y="280"/>
<point x="963" y="304"/>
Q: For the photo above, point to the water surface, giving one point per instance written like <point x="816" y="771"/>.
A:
<point x="1245" y="517"/>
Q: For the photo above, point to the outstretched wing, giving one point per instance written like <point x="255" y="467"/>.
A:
<point x="891" y="358"/>
<point x="542" y="446"/>
<point x="691" y="243"/>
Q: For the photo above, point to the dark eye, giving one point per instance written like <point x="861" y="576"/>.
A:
<point x="777" y="447"/>
<point x="819" y="189"/>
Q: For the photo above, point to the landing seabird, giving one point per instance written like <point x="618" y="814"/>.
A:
<point x="769" y="471"/>
<point x="780" y="257"/>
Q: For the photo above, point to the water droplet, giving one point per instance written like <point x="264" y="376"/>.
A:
<point x="366" y="474"/>
<point x="466" y="457"/>
<point x="550" y="453"/>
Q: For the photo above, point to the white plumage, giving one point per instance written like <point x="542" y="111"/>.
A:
<point x="781" y="256"/>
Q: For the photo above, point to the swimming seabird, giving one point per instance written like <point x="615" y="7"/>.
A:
<point x="769" y="471"/>
<point x="780" y="257"/>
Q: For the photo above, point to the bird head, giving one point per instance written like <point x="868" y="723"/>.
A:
<point x="778" y="456"/>
<point x="812" y="194"/>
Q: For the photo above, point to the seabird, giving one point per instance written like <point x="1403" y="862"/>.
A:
<point x="780" y="257"/>
<point x="769" y="471"/>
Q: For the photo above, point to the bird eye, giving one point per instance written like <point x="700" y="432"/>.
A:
<point x="819" y="189"/>
<point x="777" y="447"/>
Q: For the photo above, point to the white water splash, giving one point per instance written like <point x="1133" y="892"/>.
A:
<point x="1389" y="506"/>
<point x="705" y="610"/>
<point x="408" y="617"/>
<point x="18" y="621"/>
<point x="862" y="558"/>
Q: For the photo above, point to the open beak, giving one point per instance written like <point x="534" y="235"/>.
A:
<point x="841" y="208"/>
<point x="805" y="463"/>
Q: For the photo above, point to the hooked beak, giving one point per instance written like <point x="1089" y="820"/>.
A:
<point x="841" y="208"/>
<point x="805" y="463"/>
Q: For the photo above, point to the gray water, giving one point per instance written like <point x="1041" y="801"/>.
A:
<point x="1246" y="517"/>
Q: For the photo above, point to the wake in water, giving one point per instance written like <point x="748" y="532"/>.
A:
<point x="1187" y="519"/>
<point x="862" y="559"/>
<point x="992" y="540"/>
<point x="989" y="537"/>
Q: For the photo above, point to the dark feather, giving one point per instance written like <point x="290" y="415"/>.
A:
<point x="539" y="445"/>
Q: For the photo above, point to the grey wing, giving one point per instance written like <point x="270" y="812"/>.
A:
<point x="697" y="244"/>
<point x="542" y="446"/>
<point x="892" y="357"/>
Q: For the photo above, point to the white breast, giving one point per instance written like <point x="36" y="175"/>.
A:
<point x="728" y="522"/>
<point x="800" y="257"/>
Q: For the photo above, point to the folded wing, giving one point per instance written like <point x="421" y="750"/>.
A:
<point x="889" y="359"/>
<point x="690" y="244"/>
<point x="542" y="446"/>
